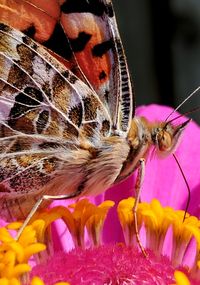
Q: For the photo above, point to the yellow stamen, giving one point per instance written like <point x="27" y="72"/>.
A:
<point x="196" y="233"/>
<point x="181" y="278"/>
<point x="39" y="226"/>
<point x="14" y="255"/>
<point x="4" y="281"/>
<point x="18" y="249"/>
<point x="85" y="214"/>
<point x="156" y="223"/>
<point x="126" y="218"/>
<point x="11" y="269"/>
<point x="20" y="269"/>
<point x="5" y="236"/>
<point x="28" y="236"/>
<point x="42" y="220"/>
<point x="8" y="263"/>
<point x="14" y="281"/>
<point x="37" y="281"/>
<point x="14" y="225"/>
<point x="33" y="249"/>
<point x="95" y="222"/>
<point x="75" y="223"/>
<point x="183" y="232"/>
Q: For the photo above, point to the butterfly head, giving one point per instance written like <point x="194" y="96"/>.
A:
<point x="166" y="137"/>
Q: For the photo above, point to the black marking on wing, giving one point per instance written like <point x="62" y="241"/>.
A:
<point x="110" y="11"/>
<point x="16" y="147"/>
<point x="26" y="57"/>
<point x="42" y="121"/>
<point x="71" y="129"/>
<point x="30" y="31"/>
<point x="72" y="79"/>
<point x="100" y="49"/>
<point x="105" y="127"/>
<point x="96" y="7"/>
<point x="59" y="43"/>
<point x="28" y="41"/>
<point x="58" y="35"/>
<point x="49" y="145"/>
<point x="90" y="109"/>
<point x="89" y="128"/>
<point x="24" y="103"/>
<point x="102" y="75"/>
<point x="80" y="42"/>
<point x="65" y="74"/>
<point x="35" y="94"/>
<point x="69" y="76"/>
<point x="106" y="95"/>
<point x="76" y="114"/>
<point x="4" y="27"/>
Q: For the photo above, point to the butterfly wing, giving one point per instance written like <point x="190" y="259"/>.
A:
<point x="85" y="33"/>
<point x="44" y="109"/>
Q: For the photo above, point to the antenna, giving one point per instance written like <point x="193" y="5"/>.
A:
<point x="184" y="114"/>
<point x="188" y="187"/>
<point x="185" y="100"/>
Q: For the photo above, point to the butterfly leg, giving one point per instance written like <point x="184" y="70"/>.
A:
<point x="39" y="202"/>
<point x="138" y="187"/>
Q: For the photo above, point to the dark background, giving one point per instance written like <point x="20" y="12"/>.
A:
<point x="162" y="43"/>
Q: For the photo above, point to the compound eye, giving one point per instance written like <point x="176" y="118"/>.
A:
<point x="164" y="141"/>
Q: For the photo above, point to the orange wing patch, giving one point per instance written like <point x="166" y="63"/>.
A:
<point x="90" y="41"/>
<point x="39" y="17"/>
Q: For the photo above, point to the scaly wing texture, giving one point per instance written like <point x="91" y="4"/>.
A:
<point x="85" y="33"/>
<point x="44" y="110"/>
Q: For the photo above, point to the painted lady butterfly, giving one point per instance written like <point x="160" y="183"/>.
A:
<point x="67" y="124"/>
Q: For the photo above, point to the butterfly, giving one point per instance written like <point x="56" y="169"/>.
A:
<point x="67" y="109"/>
